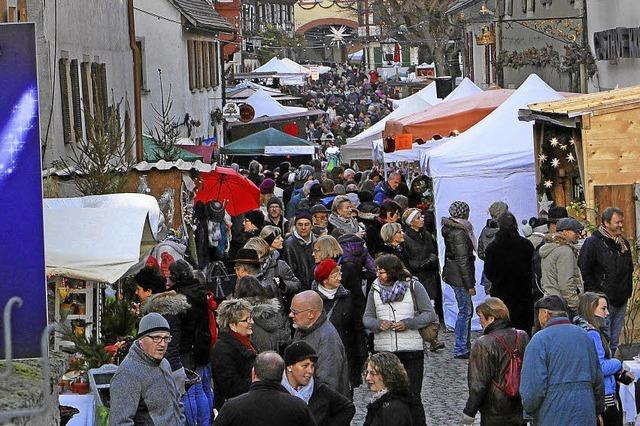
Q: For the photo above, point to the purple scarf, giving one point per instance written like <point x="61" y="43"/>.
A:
<point x="396" y="293"/>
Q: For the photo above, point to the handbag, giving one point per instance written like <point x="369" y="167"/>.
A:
<point x="429" y="333"/>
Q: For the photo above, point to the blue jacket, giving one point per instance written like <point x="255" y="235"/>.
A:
<point x="383" y="192"/>
<point x="609" y="366"/>
<point x="296" y="196"/>
<point x="561" y="381"/>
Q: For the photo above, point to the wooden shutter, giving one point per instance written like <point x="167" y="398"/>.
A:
<point x="95" y="90"/>
<point x="75" y="100"/>
<point x="206" y="75"/>
<point x="213" y="63"/>
<point x="191" y="62"/>
<point x="104" y="92"/>
<point x="22" y="10"/>
<point x="64" y="99"/>
<point x="199" y="64"/>
<point x="87" y="95"/>
<point x="3" y="10"/>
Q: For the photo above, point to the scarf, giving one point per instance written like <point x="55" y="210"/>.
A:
<point x="302" y="240"/>
<point x="328" y="293"/>
<point x="618" y="240"/>
<point x="303" y="392"/>
<point x="244" y="340"/>
<point x="350" y="225"/>
<point x="376" y="396"/>
<point x="469" y="227"/>
<point x="396" y="293"/>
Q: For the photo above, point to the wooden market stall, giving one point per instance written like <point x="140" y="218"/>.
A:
<point x="587" y="148"/>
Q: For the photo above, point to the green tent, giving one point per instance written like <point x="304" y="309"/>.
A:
<point x="269" y="142"/>
<point x="152" y="154"/>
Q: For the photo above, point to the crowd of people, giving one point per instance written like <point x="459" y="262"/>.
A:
<point x="338" y="284"/>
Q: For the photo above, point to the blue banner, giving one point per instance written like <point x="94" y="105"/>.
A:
<point x="22" y="270"/>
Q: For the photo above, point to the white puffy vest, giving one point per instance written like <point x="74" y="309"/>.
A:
<point x="390" y="340"/>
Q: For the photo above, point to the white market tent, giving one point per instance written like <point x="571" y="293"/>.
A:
<point x="491" y="161"/>
<point x="428" y="94"/>
<point x="98" y="238"/>
<point x="265" y="105"/>
<point x="292" y="75"/>
<point x="296" y="67"/>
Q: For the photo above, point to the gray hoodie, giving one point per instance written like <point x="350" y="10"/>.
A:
<point x="143" y="392"/>
<point x="560" y="272"/>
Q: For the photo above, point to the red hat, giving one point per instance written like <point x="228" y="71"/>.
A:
<point x="324" y="269"/>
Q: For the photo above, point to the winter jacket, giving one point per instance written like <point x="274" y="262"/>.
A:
<point x="299" y="256"/>
<point x="401" y="310"/>
<point x="231" y="364"/>
<point x="372" y="235"/>
<point x="459" y="268"/>
<point x="173" y="307"/>
<point x="278" y="277"/>
<point x="329" y="408"/>
<point x="508" y="266"/>
<point x="383" y="192"/>
<point x="143" y="392"/>
<point x="265" y="404"/>
<point x="422" y="259"/>
<point x="331" y="367"/>
<point x="392" y="410"/>
<point x="487" y="236"/>
<point x="349" y="327"/>
<point x="605" y="269"/>
<point x="609" y="366"/>
<point x="560" y="272"/>
<point x="561" y="381"/>
<point x="271" y="327"/>
<point x="195" y="339"/>
<point x="284" y="224"/>
<point x="292" y="205"/>
<point x="487" y="364"/>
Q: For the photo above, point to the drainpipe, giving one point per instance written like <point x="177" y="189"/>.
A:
<point x="137" y="83"/>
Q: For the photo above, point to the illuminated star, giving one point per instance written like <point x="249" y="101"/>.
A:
<point x="545" y="204"/>
<point x="554" y="142"/>
<point x="555" y="163"/>
<point x="338" y="35"/>
<point x="563" y="147"/>
<point x="572" y="142"/>
<point x="570" y="158"/>
<point x="548" y="184"/>
<point x="542" y="158"/>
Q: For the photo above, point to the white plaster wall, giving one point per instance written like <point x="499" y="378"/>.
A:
<point x="165" y="48"/>
<point x="604" y="15"/>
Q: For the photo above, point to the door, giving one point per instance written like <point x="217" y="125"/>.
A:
<point x="622" y="197"/>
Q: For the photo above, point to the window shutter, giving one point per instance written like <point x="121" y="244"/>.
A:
<point x="206" y="65"/>
<point x="75" y="101"/>
<point x="104" y="92"/>
<point x="87" y="95"/>
<point x="213" y="64"/>
<point x="190" y="62"/>
<point x="95" y="90"/>
<point x="64" y="99"/>
<point x="199" y="64"/>
<point x="22" y="10"/>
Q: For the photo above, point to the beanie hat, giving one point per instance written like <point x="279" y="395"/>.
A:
<point x="302" y="214"/>
<point x="151" y="323"/>
<point x="324" y="269"/>
<point x="497" y="208"/>
<point x="299" y="351"/>
<point x="267" y="185"/>
<point x="557" y="213"/>
<point x="274" y="200"/>
<point x="459" y="210"/>
<point x="256" y="217"/>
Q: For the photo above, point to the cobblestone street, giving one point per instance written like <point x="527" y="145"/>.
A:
<point x="444" y="389"/>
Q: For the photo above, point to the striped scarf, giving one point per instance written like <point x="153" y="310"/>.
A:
<point x="619" y="239"/>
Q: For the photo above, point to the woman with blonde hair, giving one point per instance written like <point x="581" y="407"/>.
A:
<point x="326" y="247"/>
<point x="489" y="359"/>
<point x="341" y="216"/>
<point x="392" y="236"/>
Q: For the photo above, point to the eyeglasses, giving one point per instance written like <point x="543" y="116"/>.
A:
<point x="381" y="272"/>
<point x="158" y="339"/>
<point x="296" y="312"/>
<point x="370" y="373"/>
<point x="247" y="320"/>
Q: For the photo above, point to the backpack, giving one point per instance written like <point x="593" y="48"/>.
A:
<point x="510" y="383"/>
<point x="536" y="267"/>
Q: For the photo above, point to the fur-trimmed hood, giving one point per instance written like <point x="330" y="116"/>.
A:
<point x="167" y="304"/>
<point x="554" y="241"/>
<point x="448" y="222"/>
<point x="266" y="313"/>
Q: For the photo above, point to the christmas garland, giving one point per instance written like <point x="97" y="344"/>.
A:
<point x="575" y="55"/>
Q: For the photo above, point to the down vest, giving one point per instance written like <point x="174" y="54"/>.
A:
<point x="459" y="268"/>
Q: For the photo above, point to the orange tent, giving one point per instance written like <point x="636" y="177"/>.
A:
<point x="445" y="117"/>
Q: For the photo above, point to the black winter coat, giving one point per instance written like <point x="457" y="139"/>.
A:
<point x="330" y="408"/>
<point x="299" y="257"/>
<point x="372" y="237"/>
<point x="195" y="340"/>
<point x="487" y="363"/>
<point x="392" y="410"/>
<point x="231" y="364"/>
<point x="422" y="259"/>
<point x="349" y="327"/>
<point x="605" y="269"/>
<point x="265" y="404"/>
<point x="357" y="265"/>
<point x="459" y="268"/>
<point x="508" y="266"/>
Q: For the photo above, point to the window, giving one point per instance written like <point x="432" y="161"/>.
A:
<point x="202" y="64"/>
<point x="143" y="64"/>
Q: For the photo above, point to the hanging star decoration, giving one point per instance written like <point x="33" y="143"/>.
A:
<point x="337" y="35"/>
<point x="570" y="158"/>
<point x="555" y="163"/>
<point x="554" y="142"/>
<point x="542" y="158"/>
<point x="563" y="147"/>
<point x="545" y="204"/>
<point x="572" y="142"/>
<point x="548" y="183"/>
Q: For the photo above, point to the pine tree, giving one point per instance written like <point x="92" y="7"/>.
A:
<point x="166" y="132"/>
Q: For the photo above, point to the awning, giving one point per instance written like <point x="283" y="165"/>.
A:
<point x="269" y="142"/>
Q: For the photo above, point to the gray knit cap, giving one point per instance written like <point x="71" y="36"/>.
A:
<point x="151" y="323"/>
<point x="498" y="208"/>
<point x="459" y="210"/>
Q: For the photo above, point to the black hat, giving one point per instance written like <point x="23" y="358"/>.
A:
<point x="299" y="351"/>
<point x="274" y="200"/>
<point x="557" y="213"/>
<point x="315" y="191"/>
<point x="246" y="255"/>
<point x="256" y="217"/>
<point x="552" y="303"/>
<point x="319" y="208"/>
<point x="302" y="214"/>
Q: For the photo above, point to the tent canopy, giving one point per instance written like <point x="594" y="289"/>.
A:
<point x="98" y="238"/>
<point x="152" y="153"/>
<point x="269" y="142"/>
<point x="428" y="94"/>
<point x="458" y="114"/>
<point x="265" y="105"/>
<point x="296" y="67"/>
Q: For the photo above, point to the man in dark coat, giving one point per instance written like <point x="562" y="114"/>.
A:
<point x="267" y="403"/>
<point x="607" y="267"/>
<point x="298" y="249"/>
<point x="508" y="266"/>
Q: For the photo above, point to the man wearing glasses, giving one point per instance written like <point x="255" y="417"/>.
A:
<point x="143" y="390"/>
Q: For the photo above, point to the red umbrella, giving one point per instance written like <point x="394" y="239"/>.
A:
<point x="228" y="186"/>
<point x="396" y="53"/>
